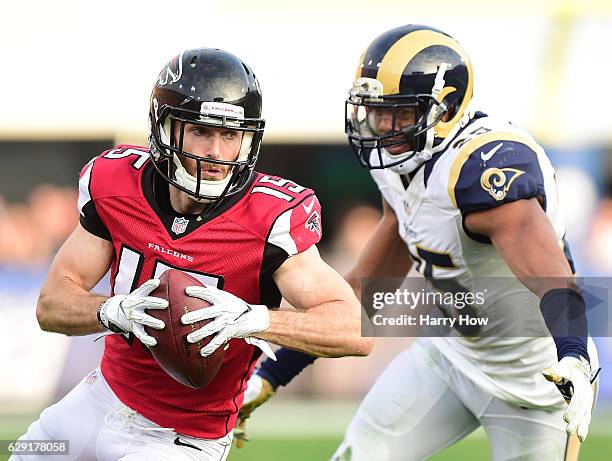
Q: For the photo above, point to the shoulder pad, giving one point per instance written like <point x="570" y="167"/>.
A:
<point x="496" y="167"/>
<point x="281" y="188"/>
<point x="282" y="212"/>
<point x="116" y="172"/>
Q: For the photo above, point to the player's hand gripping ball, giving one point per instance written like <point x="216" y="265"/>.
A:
<point x="174" y="354"/>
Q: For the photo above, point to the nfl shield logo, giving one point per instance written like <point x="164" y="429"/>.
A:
<point x="179" y="225"/>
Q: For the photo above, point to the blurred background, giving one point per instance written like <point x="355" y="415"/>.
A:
<point x="76" y="80"/>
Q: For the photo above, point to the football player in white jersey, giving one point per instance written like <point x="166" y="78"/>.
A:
<point x="467" y="197"/>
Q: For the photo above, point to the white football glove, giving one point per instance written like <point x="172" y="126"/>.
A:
<point x="126" y="313"/>
<point x="232" y="318"/>
<point x="573" y="378"/>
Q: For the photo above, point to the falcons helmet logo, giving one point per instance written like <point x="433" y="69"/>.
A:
<point x="172" y="73"/>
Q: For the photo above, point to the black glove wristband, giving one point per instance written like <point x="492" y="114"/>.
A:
<point x="101" y="314"/>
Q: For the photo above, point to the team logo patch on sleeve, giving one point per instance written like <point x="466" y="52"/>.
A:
<point x="313" y="223"/>
<point x="497" y="181"/>
<point x="179" y="225"/>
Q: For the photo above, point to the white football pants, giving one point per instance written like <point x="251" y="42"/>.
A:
<point x="411" y="413"/>
<point x="100" y="427"/>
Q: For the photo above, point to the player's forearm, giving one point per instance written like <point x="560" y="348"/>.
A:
<point x="65" y="307"/>
<point x="545" y="271"/>
<point x="385" y="255"/>
<point x="525" y="238"/>
<point x="329" y="330"/>
<point x="539" y="264"/>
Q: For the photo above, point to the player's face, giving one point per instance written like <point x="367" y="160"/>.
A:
<point x="209" y="142"/>
<point x="380" y="121"/>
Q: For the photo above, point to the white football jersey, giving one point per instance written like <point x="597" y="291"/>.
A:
<point x="488" y="163"/>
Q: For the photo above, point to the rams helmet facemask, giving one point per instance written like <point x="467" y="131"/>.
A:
<point x="365" y="136"/>
<point x="209" y="88"/>
<point x="410" y="68"/>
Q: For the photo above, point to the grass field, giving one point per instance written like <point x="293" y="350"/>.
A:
<point x="295" y="431"/>
<point x="473" y="448"/>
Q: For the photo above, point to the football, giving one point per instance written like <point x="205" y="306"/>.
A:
<point x="174" y="354"/>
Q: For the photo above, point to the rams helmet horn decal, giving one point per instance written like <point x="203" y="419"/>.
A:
<point x="412" y="88"/>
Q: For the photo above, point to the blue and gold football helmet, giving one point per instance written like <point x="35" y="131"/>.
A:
<point x="412" y="88"/>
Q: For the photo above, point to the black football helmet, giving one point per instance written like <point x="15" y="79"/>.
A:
<point x="207" y="87"/>
<point x="414" y="70"/>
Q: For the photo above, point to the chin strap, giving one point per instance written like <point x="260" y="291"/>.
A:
<point x="409" y="165"/>
<point x="210" y="188"/>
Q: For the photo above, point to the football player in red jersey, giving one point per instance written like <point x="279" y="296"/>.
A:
<point x="191" y="201"/>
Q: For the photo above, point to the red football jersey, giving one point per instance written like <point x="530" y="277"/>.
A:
<point x="237" y="249"/>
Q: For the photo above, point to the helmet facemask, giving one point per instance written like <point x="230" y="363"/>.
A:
<point x="374" y="147"/>
<point x="167" y="139"/>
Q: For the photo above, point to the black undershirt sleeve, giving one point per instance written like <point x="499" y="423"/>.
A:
<point x="92" y="223"/>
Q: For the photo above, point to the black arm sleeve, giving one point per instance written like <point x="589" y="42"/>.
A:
<point x="288" y="365"/>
